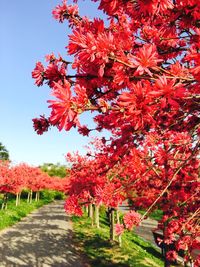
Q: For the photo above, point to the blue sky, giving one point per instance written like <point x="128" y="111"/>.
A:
<point x="27" y="33"/>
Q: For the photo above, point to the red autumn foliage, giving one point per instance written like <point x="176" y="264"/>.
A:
<point x="13" y="179"/>
<point x="140" y="72"/>
<point x="131" y="219"/>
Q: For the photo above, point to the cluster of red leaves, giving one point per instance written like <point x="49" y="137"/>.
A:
<point x="119" y="228"/>
<point x="131" y="219"/>
<point x="41" y="124"/>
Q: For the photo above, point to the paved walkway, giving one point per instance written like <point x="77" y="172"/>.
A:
<point x="42" y="239"/>
<point x="145" y="230"/>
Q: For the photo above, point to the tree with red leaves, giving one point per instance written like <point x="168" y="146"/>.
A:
<point x="15" y="179"/>
<point x="140" y="72"/>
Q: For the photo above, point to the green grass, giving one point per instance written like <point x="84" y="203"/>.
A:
<point x="94" y="243"/>
<point x="156" y="214"/>
<point x="14" y="214"/>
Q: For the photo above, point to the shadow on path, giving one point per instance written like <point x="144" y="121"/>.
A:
<point x="42" y="239"/>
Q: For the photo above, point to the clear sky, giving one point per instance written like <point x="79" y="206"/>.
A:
<point x="27" y="33"/>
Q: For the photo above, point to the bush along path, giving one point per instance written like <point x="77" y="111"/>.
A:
<point x="42" y="239"/>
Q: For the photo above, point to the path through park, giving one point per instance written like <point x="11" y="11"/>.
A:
<point x="42" y="239"/>
<point x="45" y="239"/>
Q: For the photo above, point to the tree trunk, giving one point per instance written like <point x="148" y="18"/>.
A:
<point x="86" y="209"/>
<point x="112" y="223"/>
<point x="4" y="204"/>
<point x="31" y="196"/>
<point x="28" y="197"/>
<point x="117" y="216"/>
<point x="166" y="249"/>
<point x="6" y="201"/>
<point x="166" y="263"/>
<point x="91" y="213"/>
<point x="37" y="196"/>
<point x="120" y="236"/>
<point x="96" y="207"/>
<point x="108" y="213"/>
<point x="17" y="200"/>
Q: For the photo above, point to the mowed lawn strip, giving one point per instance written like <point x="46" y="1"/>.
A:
<point x="94" y="243"/>
<point x="155" y="215"/>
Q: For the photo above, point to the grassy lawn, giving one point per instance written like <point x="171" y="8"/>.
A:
<point x="99" y="252"/>
<point x="156" y="214"/>
<point x="14" y="214"/>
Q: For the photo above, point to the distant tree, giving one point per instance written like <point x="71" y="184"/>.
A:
<point x="54" y="169"/>
<point x="4" y="154"/>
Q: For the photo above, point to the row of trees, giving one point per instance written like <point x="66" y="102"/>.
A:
<point x="15" y="179"/>
<point x="140" y="73"/>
